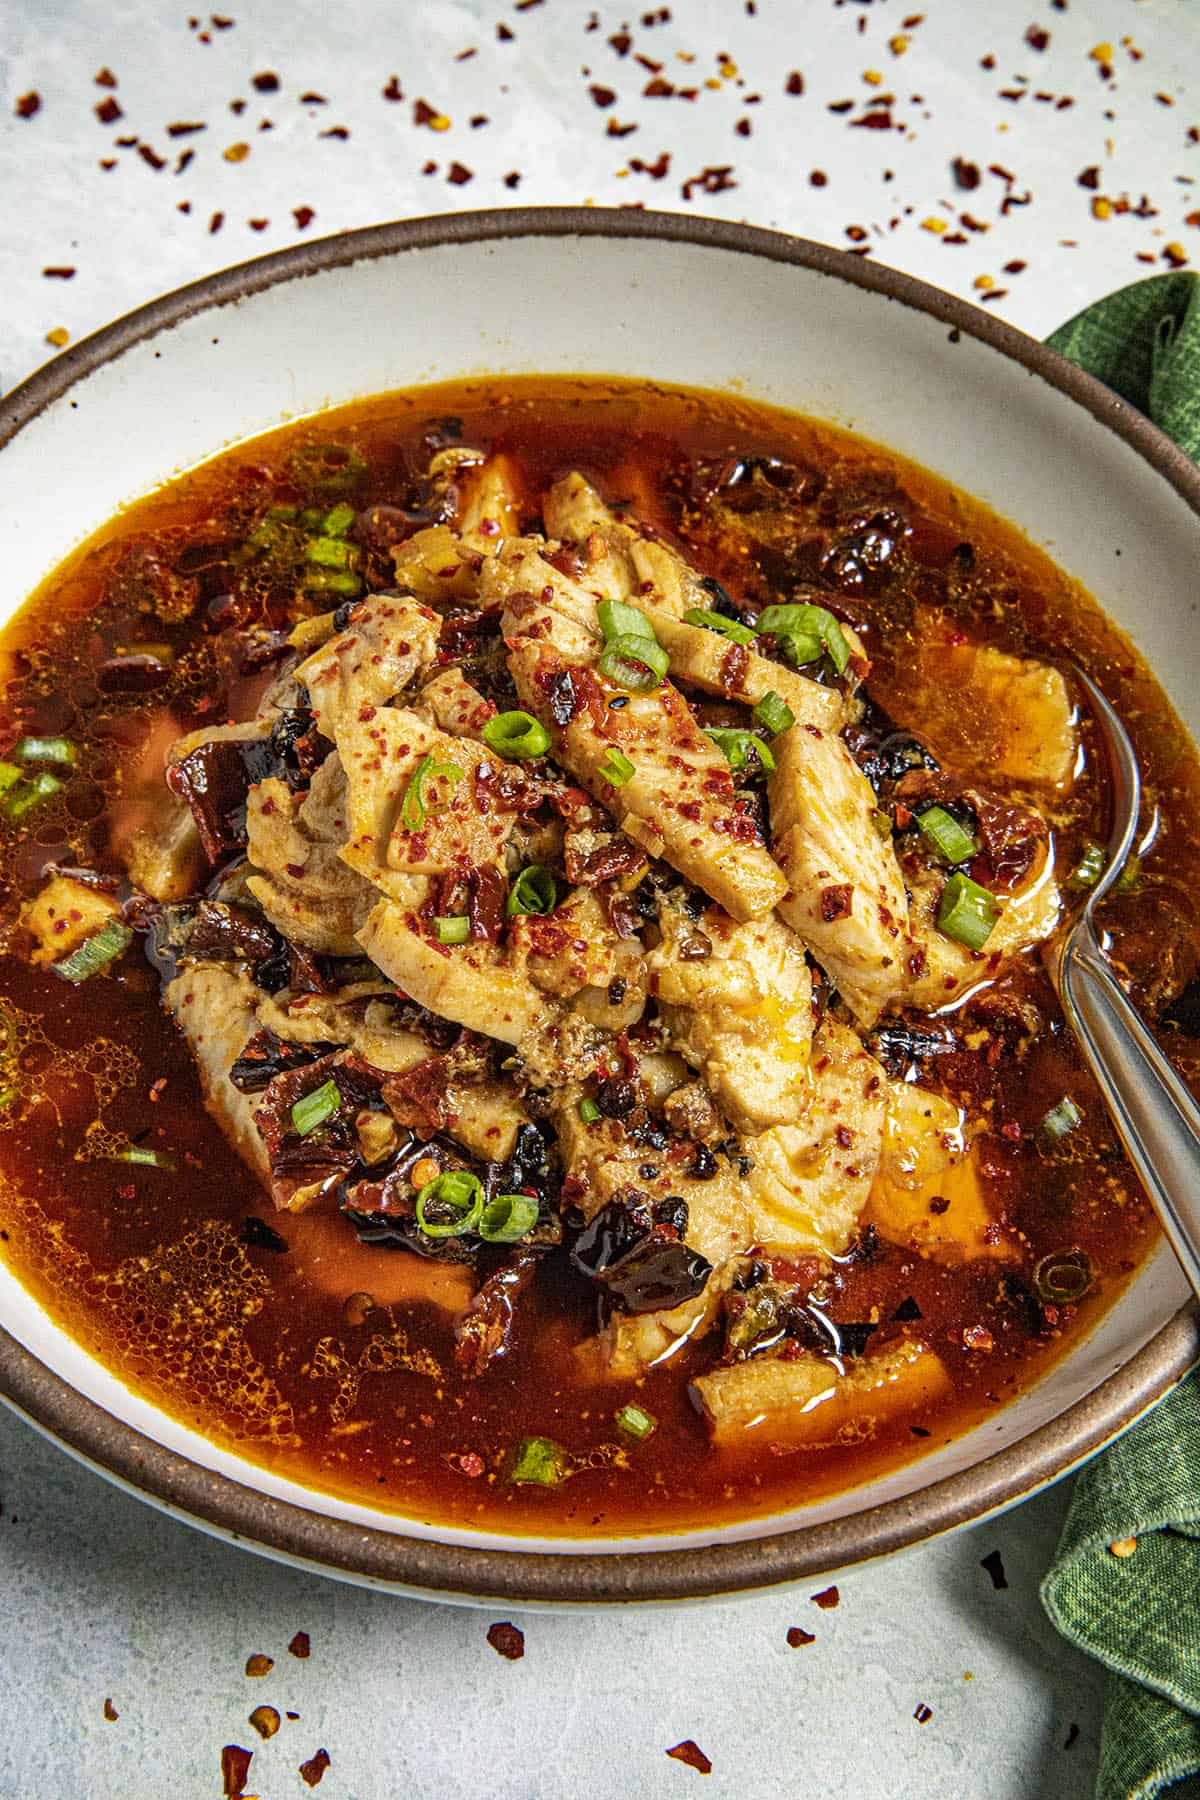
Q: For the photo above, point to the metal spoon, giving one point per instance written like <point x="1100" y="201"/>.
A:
<point x="1156" y="1117"/>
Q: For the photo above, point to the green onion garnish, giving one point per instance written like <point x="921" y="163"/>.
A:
<point x="9" y="775"/>
<point x="507" y="1218"/>
<point x="1130" y="876"/>
<point x="329" y="469"/>
<point x="774" y="714"/>
<point x="715" y="621"/>
<point x="338" y="520"/>
<point x="153" y="1159"/>
<point x="539" y="1461"/>
<point x="943" y="832"/>
<point x="637" y="1422"/>
<point x="29" y="794"/>
<point x="1063" y="1277"/>
<point x="637" y="663"/>
<point x="95" y="953"/>
<point x="331" y="581"/>
<point x="616" y="769"/>
<point x="589" y="1112"/>
<point x="1060" y="1120"/>
<point x="331" y="552"/>
<point x="618" y="620"/>
<point x="882" y="823"/>
<point x="516" y="736"/>
<point x="740" y="747"/>
<point x="804" y="632"/>
<point x="534" y="892"/>
<point x="313" y="1109"/>
<point x="1088" y="869"/>
<point x="453" y="928"/>
<point x="412" y="807"/>
<point x="967" y="912"/>
<point x="457" y="1199"/>
<point x="45" y="749"/>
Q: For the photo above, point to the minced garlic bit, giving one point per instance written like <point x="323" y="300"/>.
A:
<point x="58" y="337"/>
<point x="1124" y="1546"/>
<point x="937" y="226"/>
<point x="237" y="152"/>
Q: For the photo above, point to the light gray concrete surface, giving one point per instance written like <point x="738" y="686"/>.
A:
<point x="103" y="1598"/>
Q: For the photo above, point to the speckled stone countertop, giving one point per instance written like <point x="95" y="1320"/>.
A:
<point x="1029" y="155"/>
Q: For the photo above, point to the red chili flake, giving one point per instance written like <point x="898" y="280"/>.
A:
<point x="107" y="111"/>
<point x="185" y="128"/>
<point x="658" y="88"/>
<point x="478" y="119"/>
<point x="840" y="106"/>
<point x="978" y="1337"/>
<point x="105" y="78"/>
<point x="743" y="128"/>
<point x="235" y="1770"/>
<point x="300" y="1646"/>
<point x="513" y="178"/>
<point x="429" y="168"/>
<point x="648" y="62"/>
<point x="1015" y="267"/>
<point x="856" y="233"/>
<point x="149" y="155"/>
<point x="827" y="1599"/>
<point x="267" y="82"/>
<point x="603" y="96"/>
<point x="689" y="1752"/>
<point x="335" y="131"/>
<point x="311" y="99"/>
<point x="507" y="1640"/>
<point x="469" y="1463"/>
<point x="797" y="1636"/>
<point x="966" y="174"/>
<point x="621" y="42"/>
<point x="110" y="1711"/>
<point x="312" y="1770"/>
<point x="59" y="272"/>
<point x="993" y="294"/>
<point x="987" y="62"/>
<point x="424" y="114"/>
<point x="466" y="55"/>
<point x="993" y="1562"/>
<point x="258" y="224"/>
<point x="392" y="89"/>
<point x="304" y="216"/>
<point x="619" y="131"/>
<point x="28" y="104"/>
<point x="837" y="902"/>
<point x="879" y="119"/>
<point x="221" y="22"/>
<point x="215" y="223"/>
<point x="794" y="83"/>
<point x="459" y="174"/>
<point x="1037" y="37"/>
<point x="108" y="162"/>
<point x="504" y="34"/>
<point x="715" y="180"/>
<point x="923" y="1714"/>
<point x="818" y="179"/>
<point x="656" y="170"/>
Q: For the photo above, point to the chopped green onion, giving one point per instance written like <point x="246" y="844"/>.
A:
<point x="539" y="1462"/>
<point x="153" y="1159"/>
<point x="9" y="774"/>
<point x="332" y="581"/>
<point x="412" y="807"/>
<point x="1088" y="869"/>
<point x="331" y="469"/>
<point x="454" y="928"/>
<point x="1130" y="876"/>
<point x="281" y="512"/>
<point x="637" y="663"/>
<point x="310" y="518"/>
<point x="715" y="621"/>
<point x="455" y="1192"/>
<point x="589" y="1112"/>
<point x="507" y="1218"/>
<point x="943" y="832"/>
<point x="799" y="628"/>
<point x="616" y="769"/>
<point x="29" y="794"/>
<point x="967" y="912"/>
<point x="618" y="620"/>
<point x="774" y="714"/>
<point x="1063" y="1277"/>
<point x="7" y="1096"/>
<point x="95" y="953"/>
<point x="1060" y="1120"/>
<point x="331" y="552"/>
<point x="882" y="823"/>
<point x="739" y="748"/>
<point x="45" y="749"/>
<point x="338" y="520"/>
<point x="535" y="892"/>
<point x="637" y="1422"/>
<point x="313" y="1109"/>
<point x="516" y="736"/>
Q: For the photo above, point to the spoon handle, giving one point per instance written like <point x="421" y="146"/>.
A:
<point x="1156" y="1117"/>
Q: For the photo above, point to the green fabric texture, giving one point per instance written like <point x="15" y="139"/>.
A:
<point x="1140" y="1615"/>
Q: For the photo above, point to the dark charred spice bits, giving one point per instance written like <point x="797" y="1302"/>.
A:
<point x="923" y="1713"/>
<point x="235" y="1771"/>
<point x="797" y="1636"/>
<point x="827" y="1599"/>
<point x="110" y="1711"/>
<point x="27" y="105"/>
<point x="689" y="1752"/>
<point x="993" y="1562"/>
<point x="507" y="1640"/>
<point x="300" y="1646"/>
<point x="312" y="1770"/>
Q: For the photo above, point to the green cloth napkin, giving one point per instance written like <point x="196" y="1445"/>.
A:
<point x="1140" y="1614"/>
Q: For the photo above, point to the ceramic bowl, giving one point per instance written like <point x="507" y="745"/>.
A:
<point x="668" y="299"/>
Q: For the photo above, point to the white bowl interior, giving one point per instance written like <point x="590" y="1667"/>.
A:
<point x="670" y="312"/>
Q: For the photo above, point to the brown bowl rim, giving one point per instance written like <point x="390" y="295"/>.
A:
<point x="518" y="1576"/>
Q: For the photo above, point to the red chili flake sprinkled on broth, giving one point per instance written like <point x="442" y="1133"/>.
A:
<point x="507" y="1640"/>
<point x="689" y="1752"/>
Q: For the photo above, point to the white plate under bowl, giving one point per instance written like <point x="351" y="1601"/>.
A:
<point x="667" y="299"/>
